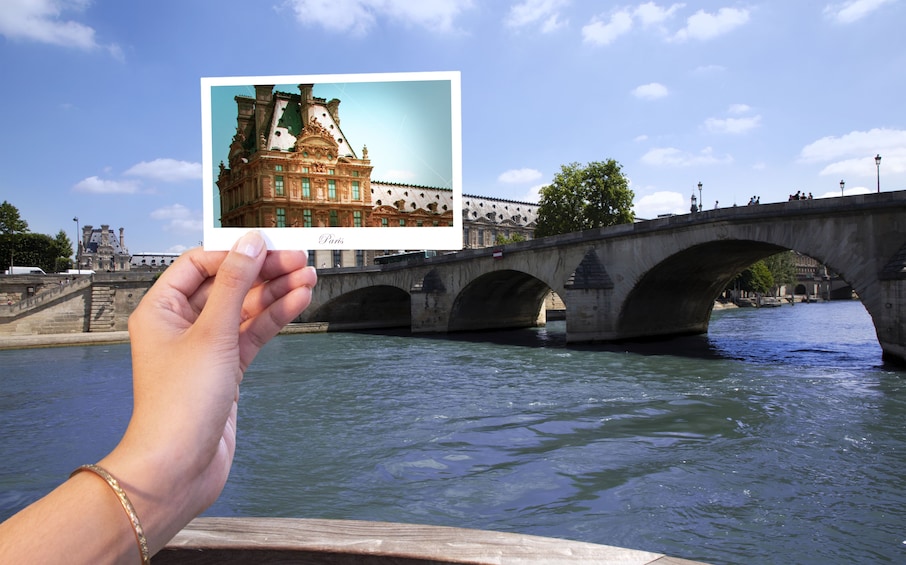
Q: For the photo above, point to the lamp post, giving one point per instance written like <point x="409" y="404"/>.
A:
<point x="841" y="187"/>
<point x="78" y="245"/>
<point x="700" y="201"/>
<point x="878" y="164"/>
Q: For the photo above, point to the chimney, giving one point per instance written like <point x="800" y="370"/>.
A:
<point x="264" y="95"/>
<point x="305" y="90"/>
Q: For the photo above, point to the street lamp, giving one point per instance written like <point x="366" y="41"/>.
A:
<point x="700" y="201"/>
<point x="878" y="164"/>
<point x="77" y="244"/>
<point x="841" y="187"/>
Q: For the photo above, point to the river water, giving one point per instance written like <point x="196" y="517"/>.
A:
<point x="779" y="437"/>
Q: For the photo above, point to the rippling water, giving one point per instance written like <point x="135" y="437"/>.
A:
<point x="778" y="438"/>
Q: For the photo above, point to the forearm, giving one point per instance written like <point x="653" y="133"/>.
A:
<point x="81" y="521"/>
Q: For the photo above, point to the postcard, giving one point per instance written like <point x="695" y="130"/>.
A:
<point x="356" y="161"/>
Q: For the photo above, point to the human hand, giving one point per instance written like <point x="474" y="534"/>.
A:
<point x="193" y="335"/>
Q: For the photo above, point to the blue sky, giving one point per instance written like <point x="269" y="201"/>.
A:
<point x="102" y="117"/>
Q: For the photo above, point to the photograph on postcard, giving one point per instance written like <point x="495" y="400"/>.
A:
<point x="344" y="162"/>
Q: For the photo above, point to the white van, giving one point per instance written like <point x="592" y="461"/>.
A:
<point x="24" y="271"/>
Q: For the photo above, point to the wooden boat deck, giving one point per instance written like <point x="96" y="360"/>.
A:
<point x="351" y="542"/>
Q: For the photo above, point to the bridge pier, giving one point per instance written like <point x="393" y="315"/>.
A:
<point x="891" y="322"/>
<point x="589" y="315"/>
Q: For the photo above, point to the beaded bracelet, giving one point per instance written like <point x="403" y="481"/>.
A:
<point x="127" y="506"/>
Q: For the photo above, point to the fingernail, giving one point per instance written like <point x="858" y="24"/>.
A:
<point x="250" y="244"/>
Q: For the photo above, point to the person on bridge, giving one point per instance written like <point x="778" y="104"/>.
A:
<point x="193" y="336"/>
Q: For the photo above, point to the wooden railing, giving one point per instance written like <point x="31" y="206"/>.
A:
<point x="350" y="542"/>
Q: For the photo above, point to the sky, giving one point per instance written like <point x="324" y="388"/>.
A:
<point x="102" y="112"/>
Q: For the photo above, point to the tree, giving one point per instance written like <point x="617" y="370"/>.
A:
<point x="63" y="247"/>
<point x="782" y="268"/>
<point x="757" y="278"/>
<point x="513" y="238"/>
<point x="10" y="220"/>
<point x="582" y="198"/>
<point x="30" y="250"/>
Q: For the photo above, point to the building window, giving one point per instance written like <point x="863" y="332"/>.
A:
<point x="419" y="223"/>
<point x="334" y="221"/>
<point x="332" y="189"/>
<point x="331" y="171"/>
<point x="359" y="258"/>
<point x="304" y="169"/>
<point x="306" y="188"/>
<point x="306" y="218"/>
<point x="402" y="222"/>
<point x="337" y="258"/>
<point x="278" y="185"/>
<point x="384" y="222"/>
<point x="281" y="217"/>
<point x="355" y="173"/>
<point x="357" y="219"/>
<point x="356" y="193"/>
<point x="278" y="168"/>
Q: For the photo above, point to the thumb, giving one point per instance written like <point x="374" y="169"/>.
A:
<point x="232" y="281"/>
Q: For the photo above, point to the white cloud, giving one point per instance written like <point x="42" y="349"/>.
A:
<point x="43" y="21"/>
<point x="650" y="91"/>
<point x="704" y="26"/>
<point x="167" y="170"/>
<point x="737" y="109"/>
<point x="358" y="16"/>
<point x="95" y="185"/>
<point x="673" y="157"/>
<point x="653" y="15"/>
<point x="599" y="32"/>
<point x="530" y="12"/>
<point x="534" y="194"/>
<point x="853" y="155"/>
<point x="732" y="125"/>
<point x="519" y="176"/>
<point x="856" y="143"/>
<point x="178" y="219"/>
<point x="640" y="138"/>
<point x="664" y="202"/>
<point x="853" y="10"/>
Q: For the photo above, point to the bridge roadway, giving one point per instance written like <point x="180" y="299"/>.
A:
<point x="650" y="279"/>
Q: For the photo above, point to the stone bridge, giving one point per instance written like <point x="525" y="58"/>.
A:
<point x="655" y="278"/>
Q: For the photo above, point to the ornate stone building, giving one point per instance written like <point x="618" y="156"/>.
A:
<point x="290" y="165"/>
<point x="101" y="250"/>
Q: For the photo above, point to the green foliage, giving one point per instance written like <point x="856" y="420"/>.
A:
<point x="30" y="250"/>
<point x="21" y="248"/>
<point x="10" y="221"/>
<point x="757" y="278"/>
<point x="782" y="267"/>
<point x="513" y="238"/>
<point x="581" y="198"/>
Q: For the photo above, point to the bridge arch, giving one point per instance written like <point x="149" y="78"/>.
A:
<point x="500" y="299"/>
<point x="373" y="307"/>
<point x="677" y="295"/>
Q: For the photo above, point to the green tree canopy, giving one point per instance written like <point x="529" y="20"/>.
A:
<point x="64" y="251"/>
<point x="513" y="238"/>
<point x="10" y="220"/>
<point x="30" y="250"/>
<point x="783" y="268"/>
<point x="757" y="278"/>
<point x="581" y="198"/>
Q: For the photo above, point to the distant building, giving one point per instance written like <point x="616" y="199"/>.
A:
<point x="100" y="250"/>
<point x="152" y="261"/>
